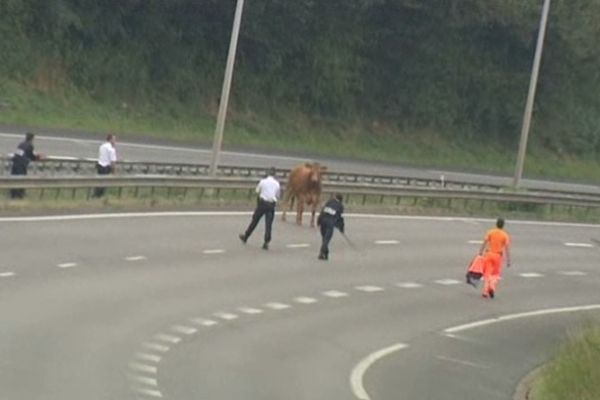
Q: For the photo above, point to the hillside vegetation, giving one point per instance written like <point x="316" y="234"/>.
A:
<point x="425" y="81"/>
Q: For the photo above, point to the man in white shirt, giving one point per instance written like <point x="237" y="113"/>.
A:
<point x="268" y="190"/>
<point x="107" y="159"/>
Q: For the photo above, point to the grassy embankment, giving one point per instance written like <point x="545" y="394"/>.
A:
<point x="282" y="130"/>
<point x="575" y="372"/>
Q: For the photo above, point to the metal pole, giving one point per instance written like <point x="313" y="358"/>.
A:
<point x="531" y="96"/>
<point x="218" y="139"/>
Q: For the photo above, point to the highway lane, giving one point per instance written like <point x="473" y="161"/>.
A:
<point x="84" y="147"/>
<point x="175" y="306"/>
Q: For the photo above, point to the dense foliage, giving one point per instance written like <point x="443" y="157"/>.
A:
<point x="457" y="67"/>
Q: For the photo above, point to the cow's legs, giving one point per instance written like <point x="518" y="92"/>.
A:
<point x="300" y="210"/>
<point x="288" y="202"/>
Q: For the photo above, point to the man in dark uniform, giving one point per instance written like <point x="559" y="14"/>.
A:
<point x="268" y="190"/>
<point x="330" y="218"/>
<point x="20" y="161"/>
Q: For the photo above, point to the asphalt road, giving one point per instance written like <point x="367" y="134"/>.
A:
<point x="173" y="306"/>
<point x="82" y="147"/>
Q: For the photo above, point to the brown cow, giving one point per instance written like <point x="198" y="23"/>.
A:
<point x="304" y="185"/>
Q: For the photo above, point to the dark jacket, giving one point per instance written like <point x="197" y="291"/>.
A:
<point x="331" y="214"/>
<point x="23" y="155"/>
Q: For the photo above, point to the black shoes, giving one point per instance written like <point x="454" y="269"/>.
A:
<point x="265" y="246"/>
<point x="243" y="238"/>
<point x="492" y="294"/>
<point x="323" y="256"/>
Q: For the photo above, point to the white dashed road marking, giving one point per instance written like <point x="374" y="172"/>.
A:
<point x="151" y="369"/>
<point x="386" y="242"/>
<point x="475" y="241"/>
<point x="167" y="338"/>
<point x="135" y="258"/>
<point x="6" y="274"/>
<point x="148" y="392"/>
<point x="531" y="275"/>
<point x="214" y="251"/>
<point x="156" y="346"/>
<point x="572" y="273"/>
<point x="305" y="300"/>
<point x="250" y="310"/>
<point x="584" y="245"/>
<point x="148" y="357"/>
<point x="409" y="285"/>
<point x="145" y="380"/>
<point x="277" y="306"/>
<point x="204" y="322"/>
<point x="447" y="282"/>
<point x="334" y="294"/>
<point x="297" y="245"/>
<point x="370" y="289"/>
<point x="186" y="330"/>
<point x="67" y="265"/>
<point x="226" y="316"/>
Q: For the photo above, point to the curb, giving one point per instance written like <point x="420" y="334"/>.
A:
<point x="523" y="390"/>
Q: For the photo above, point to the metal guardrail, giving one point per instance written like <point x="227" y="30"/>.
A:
<point x="248" y="184"/>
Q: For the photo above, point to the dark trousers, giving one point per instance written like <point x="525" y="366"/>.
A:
<point x="18" y="169"/>
<point x="326" y="235"/>
<point x="268" y="210"/>
<point x="99" y="191"/>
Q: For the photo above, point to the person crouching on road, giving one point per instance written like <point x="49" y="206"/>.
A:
<point x="330" y="217"/>
<point x="496" y="245"/>
<point x="268" y="190"/>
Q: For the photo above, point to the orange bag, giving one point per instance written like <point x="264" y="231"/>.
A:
<point x="476" y="265"/>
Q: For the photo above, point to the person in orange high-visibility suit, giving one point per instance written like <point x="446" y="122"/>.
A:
<point x="496" y="245"/>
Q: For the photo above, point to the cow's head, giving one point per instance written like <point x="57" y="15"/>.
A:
<point x="316" y="169"/>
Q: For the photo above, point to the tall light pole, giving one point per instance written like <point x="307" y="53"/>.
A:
<point x="218" y="139"/>
<point x="531" y="96"/>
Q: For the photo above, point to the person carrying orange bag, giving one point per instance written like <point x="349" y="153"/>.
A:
<point x="496" y="245"/>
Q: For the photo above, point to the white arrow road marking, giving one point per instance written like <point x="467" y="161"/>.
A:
<point x="356" y="378"/>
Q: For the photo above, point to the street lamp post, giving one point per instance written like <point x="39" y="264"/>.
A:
<point x="218" y="139"/>
<point x="531" y="96"/>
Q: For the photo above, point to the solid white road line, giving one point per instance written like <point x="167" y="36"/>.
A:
<point x="148" y="357"/>
<point x="6" y="274"/>
<point x="297" y="245"/>
<point x="409" y="285"/>
<point x="335" y="294"/>
<point x="384" y="242"/>
<point x="305" y="300"/>
<point x="156" y="346"/>
<point x="186" y="330"/>
<point x="167" y="338"/>
<point x="135" y="258"/>
<point x="510" y="317"/>
<point x="357" y="376"/>
<point x="67" y="265"/>
<point x="531" y="275"/>
<point x="447" y="282"/>
<point x="250" y="310"/>
<point x="226" y="316"/>
<point x="583" y="245"/>
<point x="214" y="251"/>
<point x="277" y="306"/>
<point x="370" y="289"/>
<point x="204" y="322"/>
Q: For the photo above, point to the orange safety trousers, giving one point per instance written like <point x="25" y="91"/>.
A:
<point x="491" y="272"/>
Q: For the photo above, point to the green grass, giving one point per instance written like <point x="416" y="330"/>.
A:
<point x="279" y="130"/>
<point x="575" y="372"/>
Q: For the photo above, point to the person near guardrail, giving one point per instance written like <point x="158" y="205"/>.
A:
<point x="269" y="191"/>
<point x="495" y="246"/>
<point x="107" y="159"/>
<point x="20" y="161"/>
<point x="330" y="217"/>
